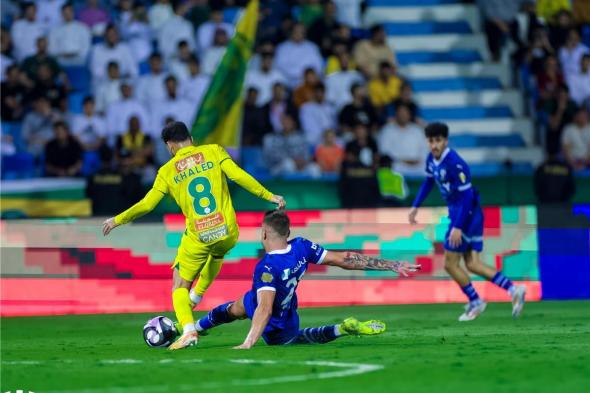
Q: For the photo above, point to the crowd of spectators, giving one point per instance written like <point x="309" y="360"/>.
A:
<point x="544" y="38"/>
<point x="319" y="89"/>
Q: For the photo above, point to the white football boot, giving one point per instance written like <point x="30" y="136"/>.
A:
<point x="518" y="300"/>
<point x="472" y="311"/>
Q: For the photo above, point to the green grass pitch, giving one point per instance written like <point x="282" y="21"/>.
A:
<point x="424" y="350"/>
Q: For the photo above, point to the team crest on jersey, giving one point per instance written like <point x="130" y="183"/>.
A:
<point x="266" y="277"/>
<point x="462" y="177"/>
<point x="189" y="162"/>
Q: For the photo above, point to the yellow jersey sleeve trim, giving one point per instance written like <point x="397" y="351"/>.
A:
<point x="245" y="180"/>
<point x="146" y="205"/>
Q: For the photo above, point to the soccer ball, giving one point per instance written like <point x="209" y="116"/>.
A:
<point x="159" y="332"/>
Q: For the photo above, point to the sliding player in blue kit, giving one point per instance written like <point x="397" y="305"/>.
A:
<point x="464" y="237"/>
<point x="271" y="304"/>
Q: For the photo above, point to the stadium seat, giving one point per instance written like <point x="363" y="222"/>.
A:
<point x="90" y="163"/>
<point x="75" y="101"/>
<point x="18" y="166"/>
<point x="79" y="77"/>
<point x="14" y="129"/>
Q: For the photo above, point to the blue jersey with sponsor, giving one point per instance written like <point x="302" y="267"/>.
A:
<point x="453" y="177"/>
<point x="281" y="271"/>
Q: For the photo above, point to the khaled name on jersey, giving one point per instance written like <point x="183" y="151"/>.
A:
<point x="190" y="166"/>
<point x="214" y="234"/>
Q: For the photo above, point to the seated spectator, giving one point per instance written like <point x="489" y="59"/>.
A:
<point x="338" y="83"/>
<point x="550" y="80"/>
<point x="214" y="53"/>
<point x="38" y="125"/>
<point x="178" y="64"/>
<point x="134" y="149"/>
<point x="404" y="142"/>
<point x="45" y="85"/>
<point x="89" y="127"/>
<point x="369" y="54"/>
<point x="138" y="33"/>
<point x="538" y="51"/>
<point x="358" y="111"/>
<point x="305" y="92"/>
<point x="49" y="13"/>
<point x="329" y="154"/>
<point x="173" y="106"/>
<point x="575" y="141"/>
<point x="287" y="153"/>
<point x="206" y="31"/>
<point x="255" y="123"/>
<point x="264" y="78"/>
<point x="150" y="86"/>
<point x="109" y="90"/>
<point x="385" y="88"/>
<point x="579" y="83"/>
<point x="339" y="60"/>
<point x="94" y="17"/>
<point x="279" y="105"/>
<point x="41" y="57"/>
<point x="316" y="116"/>
<point x="320" y="31"/>
<point x="570" y="55"/>
<point x="554" y="181"/>
<point x="124" y="12"/>
<point x="362" y="150"/>
<point x="14" y="95"/>
<point x="359" y="171"/>
<point x="159" y="13"/>
<point x="561" y="110"/>
<point x="112" y="50"/>
<point x="195" y="87"/>
<point x="6" y="59"/>
<point x="174" y="30"/>
<point x="121" y="111"/>
<point x="70" y="41"/>
<point x="406" y="98"/>
<point x="500" y="24"/>
<point x="26" y="31"/>
<point x="63" y="154"/>
<point x="559" y="28"/>
<point x="296" y="55"/>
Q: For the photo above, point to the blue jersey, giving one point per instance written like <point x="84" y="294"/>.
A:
<point x="451" y="174"/>
<point x="281" y="271"/>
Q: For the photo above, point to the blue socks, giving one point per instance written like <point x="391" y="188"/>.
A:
<point x="218" y="316"/>
<point x="471" y="293"/>
<point x="503" y="282"/>
<point x="317" y="335"/>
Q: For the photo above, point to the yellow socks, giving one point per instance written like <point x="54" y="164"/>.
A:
<point x="183" y="309"/>
<point x="208" y="274"/>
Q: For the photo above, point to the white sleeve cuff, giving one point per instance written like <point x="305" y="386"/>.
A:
<point x="322" y="257"/>
<point x="266" y="289"/>
<point x="464" y="187"/>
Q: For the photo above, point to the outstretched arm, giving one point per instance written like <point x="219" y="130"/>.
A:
<point x="260" y="318"/>
<point x="354" y="261"/>
<point x="422" y="194"/>
<point x="246" y="181"/>
<point x="146" y="205"/>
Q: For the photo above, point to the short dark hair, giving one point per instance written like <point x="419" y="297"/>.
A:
<point x="436" y="129"/>
<point x="175" y="132"/>
<point x="62" y="124"/>
<point x="279" y="221"/>
<point x="375" y="29"/>
<point x="88" y="99"/>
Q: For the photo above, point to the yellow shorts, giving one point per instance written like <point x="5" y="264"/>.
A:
<point x="193" y="255"/>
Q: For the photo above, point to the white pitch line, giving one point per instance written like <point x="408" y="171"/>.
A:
<point x="344" y="370"/>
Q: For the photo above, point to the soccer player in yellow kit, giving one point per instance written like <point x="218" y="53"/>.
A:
<point x="196" y="178"/>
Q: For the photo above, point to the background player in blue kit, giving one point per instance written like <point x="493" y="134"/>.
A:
<point x="464" y="237"/>
<point x="271" y="304"/>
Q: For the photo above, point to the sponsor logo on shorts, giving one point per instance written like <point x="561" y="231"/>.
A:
<point x="214" y="234"/>
<point x="189" y="162"/>
<point x="209" y="222"/>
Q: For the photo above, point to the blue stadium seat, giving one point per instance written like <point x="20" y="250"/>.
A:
<point x="79" y="77"/>
<point x="230" y="14"/>
<point x="144" y="68"/>
<point x="464" y="84"/>
<point x="14" y="129"/>
<point x="426" y="27"/>
<point x="90" y="163"/>
<point x="253" y="163"/>
<point x="470" y="141"/>
<point x="75" y="101"/>
<point x="466" y="112"/>
<point x="459" y="56"/>
<point x="18" y="166"/>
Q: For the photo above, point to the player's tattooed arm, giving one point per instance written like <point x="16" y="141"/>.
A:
<point x="354" y="261"/>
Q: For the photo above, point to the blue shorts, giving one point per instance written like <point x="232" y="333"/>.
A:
<point x="472" y="233"/>
<point x="280" y="330"/>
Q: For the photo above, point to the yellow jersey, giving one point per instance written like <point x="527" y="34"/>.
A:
<point x="196" y="178"/>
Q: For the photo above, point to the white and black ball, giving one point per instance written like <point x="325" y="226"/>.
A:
<point x="159" y="332"/>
